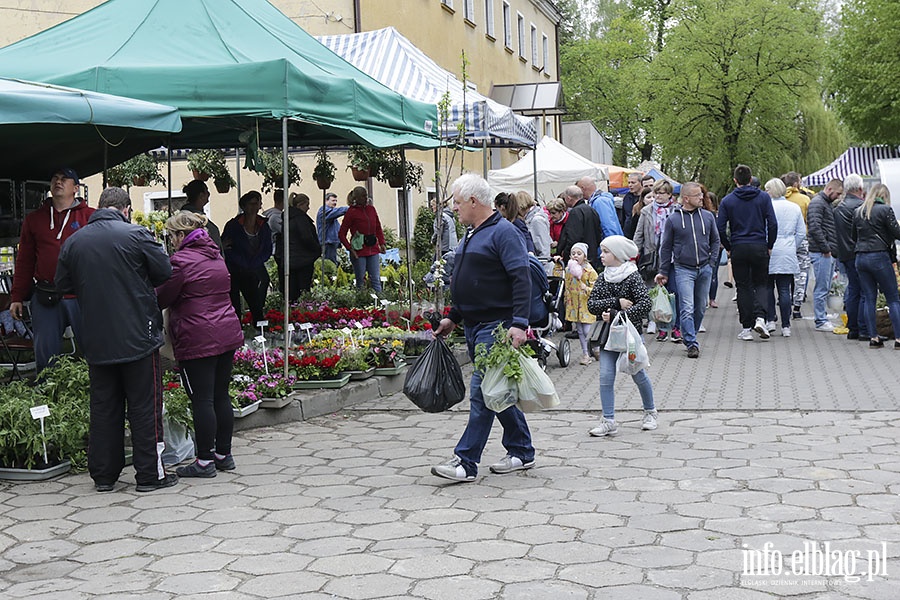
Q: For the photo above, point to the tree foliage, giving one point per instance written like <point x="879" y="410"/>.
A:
<point x="865" y="63"/>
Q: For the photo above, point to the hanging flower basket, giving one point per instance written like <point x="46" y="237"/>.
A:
<point x="138" y="181"/>
<point x="395" y="182"/>
<point x="324" y="183"/>
<point x="223" y="187"/>
<point x="200" y="176"/>
<point x="360" y="174"/>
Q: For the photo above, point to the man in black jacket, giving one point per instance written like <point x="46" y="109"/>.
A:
<point x="583" y="225"/>
<point x="113" y="268"/>
<point x="303" y="248"/>
<point x="843" y="249"/>
<point x="820" y="235"/>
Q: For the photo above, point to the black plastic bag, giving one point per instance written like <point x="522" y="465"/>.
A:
<point x="435" y="383"/>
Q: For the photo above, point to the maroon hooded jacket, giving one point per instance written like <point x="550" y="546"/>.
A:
<point x="202" y="321"/>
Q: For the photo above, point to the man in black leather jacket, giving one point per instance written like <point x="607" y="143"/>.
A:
<point x="843" y="249"/>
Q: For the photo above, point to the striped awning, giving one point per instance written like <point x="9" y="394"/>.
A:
<point x="393" y="60"/>
<point x="854" y="160"/>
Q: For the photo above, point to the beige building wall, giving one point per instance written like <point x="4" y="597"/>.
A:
<point x="442" y="29"/>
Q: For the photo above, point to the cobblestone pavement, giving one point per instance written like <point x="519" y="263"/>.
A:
<point x="764" y="449"/>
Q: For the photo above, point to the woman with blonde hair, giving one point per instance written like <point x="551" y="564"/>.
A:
<point x="205" y="332"/>
<point x="874" y="232"/>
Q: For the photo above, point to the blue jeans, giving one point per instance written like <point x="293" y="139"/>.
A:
<point x="370" y="265"/>
<point x="876" y="272"/>
<point x="823" y="270"/>
<point x="783" y="284"/>
<point x="329" y="251"/>
<point x="692" y="292"/>
<point x="516" y="436"/>
<point x="608" y="380"/>
<point x="49" y="323"/>
<point x="854" y="303"/>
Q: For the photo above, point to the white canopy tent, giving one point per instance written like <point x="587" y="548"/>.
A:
<point x="555" y="166"/>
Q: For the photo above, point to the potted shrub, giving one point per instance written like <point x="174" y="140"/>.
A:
<point x="324" y="171"/>
<point x="206" y="163"/>
<point x="273" y="176"/>
<point x="363" y="161"/>
<point x="140" y="170"/>
<point x="391" y="172"/>
<point x="356" y="363"/>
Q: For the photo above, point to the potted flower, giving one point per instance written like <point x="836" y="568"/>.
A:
<point x="244" y="399"/>
<point x="385" y="355"/>
<point x="324" y="171"/>
<point x="318" y="369"/>
<point x="205" y="163"/>
<point x="363" y="161"/>
<point x="356" y="363"/>
<point x="274" y="389"/>
<point x="140" y="170"/>
<point x="391" y="171"/>
<point x="273" y="176"/>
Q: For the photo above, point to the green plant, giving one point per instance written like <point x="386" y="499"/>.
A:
<point x="142" y="169"/>
<point x="207" y="161"/>
<point x="391" y="170"/>
<point x="273" y="164"/>
<point x="422" y="232"/>
<point x="325" y="169"/>
<point x="356" y="359"/>
<point x="176" y="401"/>
<point x="363" y="158"/>
<point x="502" y="355"/>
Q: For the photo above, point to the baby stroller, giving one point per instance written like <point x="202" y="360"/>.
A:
<point x="546" y="304"/>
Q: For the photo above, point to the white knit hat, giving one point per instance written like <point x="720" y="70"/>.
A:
<point x="580" y="246"/>
<point x="620" y="247"/>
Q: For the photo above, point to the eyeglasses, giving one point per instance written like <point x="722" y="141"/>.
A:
<point x="692" y="195"/>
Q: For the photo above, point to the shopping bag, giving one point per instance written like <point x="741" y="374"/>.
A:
<point x="661" y="307"/>
<point x="635" y="358"/>
<point x="435" y="383"/>
<point x="535" y="389"/>
<point x="498" y="390"/>
<point x="618" y="328"/>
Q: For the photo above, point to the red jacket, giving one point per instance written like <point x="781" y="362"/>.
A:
<point x="39" y="244"/>
<point x="362" y="219"/>
<point x="202" y="321"/>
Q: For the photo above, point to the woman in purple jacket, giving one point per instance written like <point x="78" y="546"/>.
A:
<point x="205" y="332"/>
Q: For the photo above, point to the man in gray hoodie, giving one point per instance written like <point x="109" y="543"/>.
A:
<point x="690" y="246"/>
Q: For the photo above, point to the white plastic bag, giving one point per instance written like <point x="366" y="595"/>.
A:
<point x="179" y="443"/>
<point x="618" y="330"/>
<point x="536" y="390"/>
<point x="498" y="391"/>
<point x="661" y="310"/>
<point x="635" y="358"/>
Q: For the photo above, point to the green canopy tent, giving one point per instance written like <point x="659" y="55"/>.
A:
<point x="43" y="127"/>
<point x="236" y="69"/>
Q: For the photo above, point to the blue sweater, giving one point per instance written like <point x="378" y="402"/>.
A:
<point x="689" y="239"/>
<point x="490" y="276"/>
<point x="752" y="219"/>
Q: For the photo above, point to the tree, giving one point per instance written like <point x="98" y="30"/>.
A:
<point x="734" y="80"/>
<point x="864" y="64"/>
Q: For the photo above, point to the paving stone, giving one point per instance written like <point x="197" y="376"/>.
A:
<point x="534" y="590"/>
<point x="454" y="588"/>
<point x="618" y="537"/>
<point x="708" y="510"/>
<point x="197" y="583"/>
<point x="662" y="523"/>
<point x="34" y="531"/>
<point x="350" y="564"/>
<point x="697" y="540"/>
<point x="645" y="592"/>
<point x="781" y="513"/>
<point x="182" y="544"/>
<point x="113" y="549"/>
<point x="741" y="526"/>
<point x="652" y="557"/>
<point x="199" y="562"/>
<point x="31" y="553"/>
<point x="362" y="586"/>
<point x="817" y="499"/>
<point x="268" y="564"/>
<point x="857" y="515"/>
<point x="428" y="567"/>
<point x="462" y="532"/>
<point x="744" y="499"/>
<point x="601" y="575"/>
<point x="515" y="570"/>
<point x="567" y="553"/>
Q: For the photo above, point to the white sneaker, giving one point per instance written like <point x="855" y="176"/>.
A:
<point x="745" y="335"/>
<point x="452" y="470"/>
<point x="648" y="423"/>
<point x="785" y="332"/>
<point x="761" y="329"/>
<point x="826" y="326"/>
<point x="606" y="427"/>
<point x="651" y="327"/>
<point x="702" y="329"/>
<point x="770" y="326"/>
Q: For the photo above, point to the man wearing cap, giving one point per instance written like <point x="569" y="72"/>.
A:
<point x="43" y="233"/>
<point x="328" y="226"/>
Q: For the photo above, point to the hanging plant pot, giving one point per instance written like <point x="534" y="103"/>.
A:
<point x="359" y="174"/>
<point x="200" y="176"/>
<point x="222" y="186"/>
<point x="324" y="184"/>
<point x="138" y="181"/>
<point x="396" y="182"/>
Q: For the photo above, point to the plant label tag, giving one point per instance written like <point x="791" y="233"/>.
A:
<point x="346" y="331"/>
<point x="359" y="325"/>
<point x="290" y="326"/>
<point x="39" y="412"/>
<point x="384" y="280"/>
<point x="260" y="339"/>
<point x="385" y="302"/>
<point x="262" y="323"/>
<point x="305" y="326"/>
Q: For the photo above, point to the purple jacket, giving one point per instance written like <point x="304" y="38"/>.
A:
<point x="202" y="321"/>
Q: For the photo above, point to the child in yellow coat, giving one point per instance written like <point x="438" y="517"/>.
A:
<point x="580" y="278"/>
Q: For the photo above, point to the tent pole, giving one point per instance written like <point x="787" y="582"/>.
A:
<point x="169" y="171"/>
<point x="237" y="155"/>
<point x="285" y="235"/>
<point x="406" y="208"/>
<point x="484" y="158"/>
<point x="105" y="164"/>
<point x="534" y="158"/>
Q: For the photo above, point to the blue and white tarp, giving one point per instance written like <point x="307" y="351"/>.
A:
<point x="393" y="60"/>
<point x="854" y="160"/>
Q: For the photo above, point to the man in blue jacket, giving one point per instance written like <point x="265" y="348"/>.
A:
<point x="490" y="286"/>
<point x="603" y="204"/>
<point x="690" y="246"/>
<point x="328" y="226"/>
<point x="748" y="212"/>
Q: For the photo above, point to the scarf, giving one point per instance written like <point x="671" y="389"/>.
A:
<point x="618" y="274"/>
<point x="661" y="212"/>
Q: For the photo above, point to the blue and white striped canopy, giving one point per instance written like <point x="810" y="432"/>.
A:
<point x="854" y="160"/>
<point x="393" y="60"/>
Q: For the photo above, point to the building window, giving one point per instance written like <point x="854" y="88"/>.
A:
<point x="469" y="10"/>
<point x="545" y="44"/>
<point x="534" y="46"/>
<point x="489" y="17"/>
<point x="520" y="29"/>
<point x="507" y="26"/>
<point x="447" y="3"/>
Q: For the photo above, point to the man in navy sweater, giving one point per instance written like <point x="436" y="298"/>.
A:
<point x="749" y="213"/>
<point x="490" y="286"/>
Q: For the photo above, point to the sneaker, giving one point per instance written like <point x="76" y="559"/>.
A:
<point x="853" y="335"/>
<point x="452" y="470"/>
<point x="168" y="481"/>
<point x="225" y="464"/>
<point x="662" y="336"/>
<point x="693" y="352"/>
<point x="760" y="328"/>
<point x="770" y="326"/>
<point x="826" y="326"/>
<point x="796" y="314"/>
<point x="195" y="469"/>
<point x="648" y="423"/>
<point x="104" y="487"/>
<point x="785" y="332"/>
<point x="702" y="328"/>
<point x="745" y="335"/>
<point x="876" y="344"/>
<point x="651" y="327"/>
<point x="509" y="464"/>
<point x="676" y="335"/>
<point x="606" y="427"/>
<point x="585" y="360"/>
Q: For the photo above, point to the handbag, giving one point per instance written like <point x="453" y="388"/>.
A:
<point x="46" y="294"/>
<point x="598" y="334"/>
<point x="648" y="265"/>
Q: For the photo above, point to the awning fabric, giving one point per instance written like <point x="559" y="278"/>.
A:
<point x="228" y="66"/>
<point x="859" y="160"/>
<point x="44" y="127"/>
<point x="387" y="56"/>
